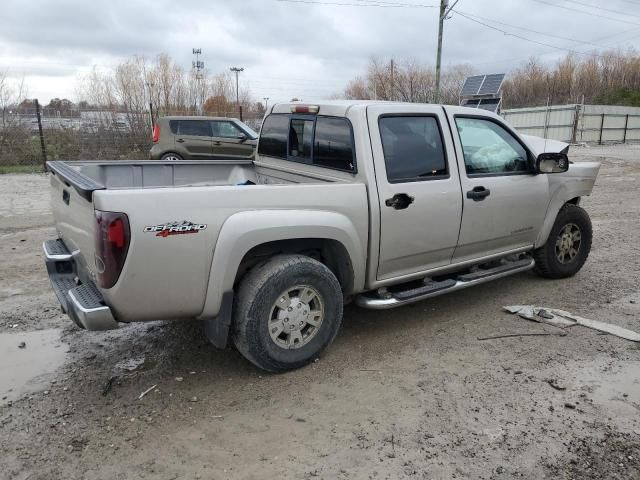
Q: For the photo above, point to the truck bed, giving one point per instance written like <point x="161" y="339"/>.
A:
<point x="89" y="176"/>
<point x="169" y="278"/>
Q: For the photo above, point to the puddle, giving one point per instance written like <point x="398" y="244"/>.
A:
<point x="26" y="370"/>
<point x="616" y="388"/>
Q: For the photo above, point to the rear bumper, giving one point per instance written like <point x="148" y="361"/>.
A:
<point x="80" y="300"/>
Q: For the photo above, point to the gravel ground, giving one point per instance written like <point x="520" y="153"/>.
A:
<point x="409" y="392"/>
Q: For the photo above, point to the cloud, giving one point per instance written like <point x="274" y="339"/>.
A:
<point x="287" y="49"/>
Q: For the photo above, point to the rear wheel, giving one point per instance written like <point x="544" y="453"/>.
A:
<point x="286" y="312"/>
<point x="568" y="245"/>
<point x="172" y="157"/>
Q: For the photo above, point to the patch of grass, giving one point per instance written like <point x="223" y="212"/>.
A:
<point x="20" y="169"/>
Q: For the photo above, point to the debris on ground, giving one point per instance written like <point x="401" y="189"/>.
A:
<point x="554" y="384"/>
<point x="107" y="386"/>
<point x="22" y="345"/>
<point x="533" y="334"/>
<point x="146" y="391"/>
<point x="563" y="319"/>
<point x="130" y="364"/>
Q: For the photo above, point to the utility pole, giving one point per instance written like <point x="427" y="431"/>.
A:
<point x="445" y="9"/>
<point x="198" y="66"/>
<point x="266" y="103"/>
<point x="150" y="87"/>
<point x="237" y="71"/>
<point x="391" y="94"/>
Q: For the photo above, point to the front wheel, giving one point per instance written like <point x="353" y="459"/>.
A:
<point x="568" y="245"/>
<point x="172" y="157"/>
<point x="286" y="312"/>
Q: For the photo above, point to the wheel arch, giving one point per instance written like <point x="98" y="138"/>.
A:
<point x="249" y="237"/>
<point x="562" y="196"/>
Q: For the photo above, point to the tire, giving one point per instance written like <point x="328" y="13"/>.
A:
<point x="563" y="256"/>
<point x="260" y="310"/>
<point x="171" y="156"/>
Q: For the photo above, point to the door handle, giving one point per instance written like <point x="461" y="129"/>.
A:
<point x="400" y="201"/>
<point x="478" y="194"/>
<point x="217" y="144"/>
<point x="180" y="140"/>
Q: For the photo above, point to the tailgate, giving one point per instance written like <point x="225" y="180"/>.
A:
<point x="73" y="212"/>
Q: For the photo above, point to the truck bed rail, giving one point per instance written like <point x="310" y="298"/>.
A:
<point x="84" y="185"/>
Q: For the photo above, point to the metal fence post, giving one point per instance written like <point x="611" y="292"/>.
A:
<point x="626" y="124"/>
<point x="601" y="128"/>
<point x="574" y="129"/>
<point x="42" y="147"/>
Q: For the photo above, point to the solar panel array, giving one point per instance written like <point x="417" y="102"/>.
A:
<point x="490" y="104"/>
<point x="482" y="85"/>
<point x="472" y="85"/>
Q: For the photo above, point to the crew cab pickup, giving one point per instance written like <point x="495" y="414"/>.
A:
<point x="379" y="203"/>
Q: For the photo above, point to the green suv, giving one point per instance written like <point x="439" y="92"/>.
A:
<point x="202" y="138"/>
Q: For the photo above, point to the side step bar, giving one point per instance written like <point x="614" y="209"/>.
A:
<point x="434" y="289"/>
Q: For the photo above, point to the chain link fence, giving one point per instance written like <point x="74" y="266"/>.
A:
<point x="30" y="136"/>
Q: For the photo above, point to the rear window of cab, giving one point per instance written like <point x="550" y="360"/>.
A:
<point x="310" y="139"/>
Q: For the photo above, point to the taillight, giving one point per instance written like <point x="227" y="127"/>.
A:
<point x="156" y="133"/>
<point x="112" y="245"/>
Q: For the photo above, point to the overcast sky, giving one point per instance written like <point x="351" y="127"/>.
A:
<point x="308" y="49"/>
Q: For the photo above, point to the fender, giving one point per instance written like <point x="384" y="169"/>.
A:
<point x="577" y="182"/>
<point x="245" y="230"/>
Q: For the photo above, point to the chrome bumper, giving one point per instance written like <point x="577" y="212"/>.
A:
<point x="80" y="300"/>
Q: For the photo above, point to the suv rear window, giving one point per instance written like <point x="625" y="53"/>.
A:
<point x="322" y="141"/>
<point x="198" y="128"/>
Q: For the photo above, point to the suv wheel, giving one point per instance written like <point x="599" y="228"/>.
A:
<point x="568" y="245"/>
<point x="172" y="157"/>
<point x="286" y="312"/>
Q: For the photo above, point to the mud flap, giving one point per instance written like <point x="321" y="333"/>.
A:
<point x="217" y="328"/>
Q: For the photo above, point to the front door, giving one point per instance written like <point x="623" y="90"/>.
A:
<point x="229" y="140"/>
<point x="418" y="188"/>
<point x="505" y="202"/>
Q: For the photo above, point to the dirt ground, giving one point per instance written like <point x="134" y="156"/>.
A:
<point x="409" y="392"/>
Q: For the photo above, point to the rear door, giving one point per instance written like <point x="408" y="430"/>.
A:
<point x="194" y="138"/>
<point x="229" y="140"/>
<point x="504" y="200"/>
<point x="418" y="188"/>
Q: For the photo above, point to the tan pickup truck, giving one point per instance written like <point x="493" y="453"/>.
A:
<point x="380" y="203"/>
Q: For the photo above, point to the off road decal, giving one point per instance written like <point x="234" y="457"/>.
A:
<point x="175" y="228"/>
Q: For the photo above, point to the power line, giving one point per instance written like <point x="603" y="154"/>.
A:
<point x="373" y="3"/>
<point x="586" y="13"/>
<point x="603" y="9"/>
<point x="530" y="30"/>
<point x="528" y="39"/>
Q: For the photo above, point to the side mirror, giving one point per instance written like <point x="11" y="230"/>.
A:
<point x="552" y="163"/>
<point x="242" y="137"/>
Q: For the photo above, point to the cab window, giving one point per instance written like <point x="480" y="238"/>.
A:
<point x="413" y="149"/>
<point x="489" y="149"/>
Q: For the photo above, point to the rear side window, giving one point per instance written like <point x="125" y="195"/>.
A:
<point x="413" y="149"/>
<point x="333" y="145"/>
<point x="300" y="138"/>
<point x="322" y="141"/>
<point x="173" y="125"/>
<point x="273" y="136"/>
<point x="198" y="128"/>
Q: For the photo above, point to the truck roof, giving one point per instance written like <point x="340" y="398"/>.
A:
<point x="196" y="117"/>
<point x="340" y="108"/>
